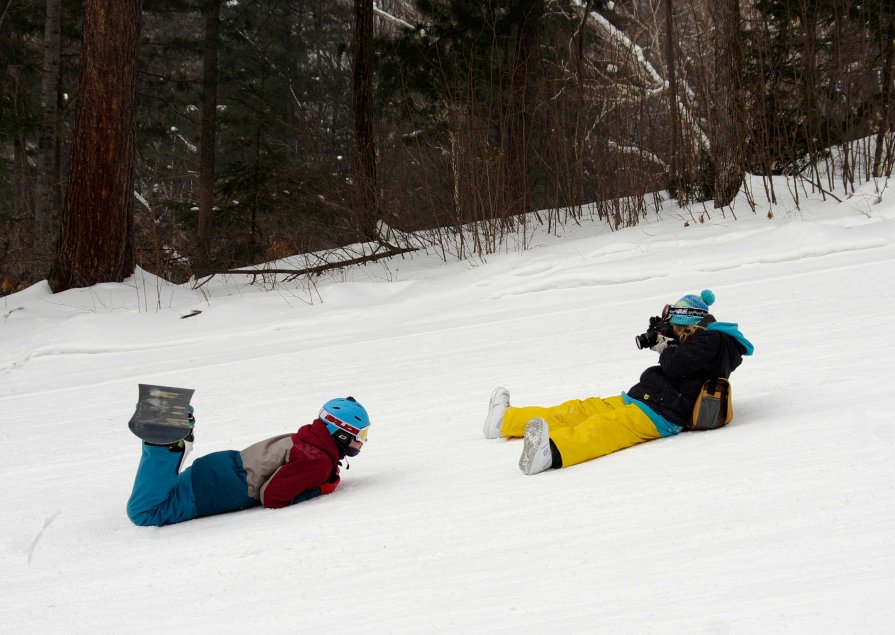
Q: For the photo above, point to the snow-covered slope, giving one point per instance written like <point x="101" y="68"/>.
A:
<point x="779" y="522"/>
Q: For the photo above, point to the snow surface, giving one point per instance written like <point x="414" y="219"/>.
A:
<point x="780" y="522"/>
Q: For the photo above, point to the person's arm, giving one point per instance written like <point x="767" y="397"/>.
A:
<point x="293" y="479"/>
<point x="694" y="357"/>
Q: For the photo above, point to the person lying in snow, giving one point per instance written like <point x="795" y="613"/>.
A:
<point x="276" y="472"/>
<point x="693" y="349"/>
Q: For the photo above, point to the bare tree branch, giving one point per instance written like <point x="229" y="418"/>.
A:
<point x="295" y="273"/>
<point x="659" y="84"/>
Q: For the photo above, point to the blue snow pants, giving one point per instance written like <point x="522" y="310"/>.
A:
<point x="161" y="496"/>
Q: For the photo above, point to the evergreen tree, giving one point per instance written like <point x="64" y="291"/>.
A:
<point x="96" y="220"/>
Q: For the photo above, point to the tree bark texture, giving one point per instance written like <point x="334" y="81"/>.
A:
<point x="726" y="107"/>
<point x="96" y="218"/>
<point x="207" y="131"/>
<point x="367" y="199"/>
<point x="885" y="97"/>
<point x="46" y="209"/>
<point x="580" y="124"/>
<point x="673" y="112"/>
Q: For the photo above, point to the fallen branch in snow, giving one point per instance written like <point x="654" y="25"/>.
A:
<point x="295" y="273"/>
<point x="818" y="186"/>
<point x="11" y="311"/>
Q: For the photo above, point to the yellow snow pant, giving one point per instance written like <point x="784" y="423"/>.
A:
<point x="585" y="429"/>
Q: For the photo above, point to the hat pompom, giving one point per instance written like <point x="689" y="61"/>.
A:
<point x="708" y="297"/>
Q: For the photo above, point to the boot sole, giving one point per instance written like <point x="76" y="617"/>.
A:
<point x="534" y="440"/>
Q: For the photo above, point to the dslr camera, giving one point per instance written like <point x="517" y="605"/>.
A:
<point x="657" y="325"/>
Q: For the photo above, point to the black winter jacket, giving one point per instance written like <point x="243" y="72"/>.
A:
<point x="672" y="387"/>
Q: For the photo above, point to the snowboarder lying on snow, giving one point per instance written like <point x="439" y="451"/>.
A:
<point x="694" y="349"/>
<point x="276" y="472"/>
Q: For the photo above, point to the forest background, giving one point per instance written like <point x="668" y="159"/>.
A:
<point x="192" y="137"/>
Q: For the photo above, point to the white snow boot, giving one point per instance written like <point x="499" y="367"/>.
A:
<point x="536" y="455"/>
<point x="500" y="400"/>
<point x="187" y="442"/>
<point x="187" y="448"/>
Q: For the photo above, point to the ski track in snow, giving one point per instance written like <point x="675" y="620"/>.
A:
<point x="781" y="522"/>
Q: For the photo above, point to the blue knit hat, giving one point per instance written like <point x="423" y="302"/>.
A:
<point x="691" y="308"/>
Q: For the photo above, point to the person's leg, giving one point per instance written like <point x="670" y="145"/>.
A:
<point x="161" y="496"/>
<point x="613" y="426"/>
<point x="568" y="413"/>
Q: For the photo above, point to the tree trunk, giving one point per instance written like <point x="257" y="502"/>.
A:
<point x="673" y="112"/>
<point x="46" y="208"/>
<point x="726" y="120"/>
<point x="96" y="218"/>
<point x="207" y="131"/>
<point x="367" y="200"/>
<point x="20" y="176"/>
<point x="886" y="94"/>
<point x="810" y="103"/>
<point x="21" y="173"/>
<point x="523" y="86"/>
<point x="580" y="111"/>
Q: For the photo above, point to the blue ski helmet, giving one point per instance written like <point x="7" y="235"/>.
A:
<point x="345" y="419"/>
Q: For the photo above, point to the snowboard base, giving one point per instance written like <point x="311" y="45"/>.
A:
<point x="162" y="414"/>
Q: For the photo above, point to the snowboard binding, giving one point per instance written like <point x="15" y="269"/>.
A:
<point x="163" y="415"/>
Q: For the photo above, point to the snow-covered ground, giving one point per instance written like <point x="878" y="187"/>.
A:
<point x="781" y="522"/>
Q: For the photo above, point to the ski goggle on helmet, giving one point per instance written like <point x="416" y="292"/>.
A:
<point x="346" y="421"/>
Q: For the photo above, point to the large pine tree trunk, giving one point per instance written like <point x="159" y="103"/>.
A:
<point x="726" y="121"/>
<point x="96" y="218"/>
<point x="366" y="199"/>
<point x="207" y="136"/>
<point x="47" y="192"/>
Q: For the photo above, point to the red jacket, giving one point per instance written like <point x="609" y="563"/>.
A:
<point x="291" y="468"/>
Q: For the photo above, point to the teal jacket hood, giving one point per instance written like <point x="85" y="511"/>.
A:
<point x="732" y="329"/>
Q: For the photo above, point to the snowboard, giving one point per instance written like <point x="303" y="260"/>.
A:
<point x="163" y="414"/>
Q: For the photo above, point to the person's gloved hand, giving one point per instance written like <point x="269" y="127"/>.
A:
<point x="332" y="482"/>
<point x="330" y="486"/>
<point x="662" y="343"/>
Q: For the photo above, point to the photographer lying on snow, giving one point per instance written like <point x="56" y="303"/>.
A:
<point x="693" y="349"/>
